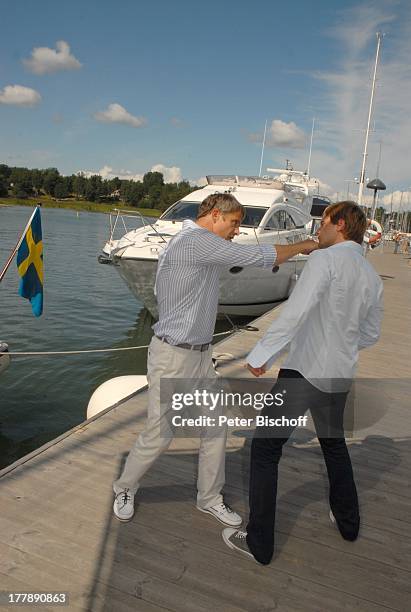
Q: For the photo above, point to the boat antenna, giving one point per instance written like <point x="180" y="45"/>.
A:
<point x="364" y="157"/>
<point x="311" y="148"/>
<point x="262" y="148"/>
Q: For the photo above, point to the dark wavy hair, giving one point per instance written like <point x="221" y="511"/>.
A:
<point x="354" y="217"/>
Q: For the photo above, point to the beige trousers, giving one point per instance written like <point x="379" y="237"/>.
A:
<point x="172" y="362"/>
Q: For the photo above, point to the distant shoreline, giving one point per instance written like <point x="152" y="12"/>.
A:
<point x="80" y="205"/>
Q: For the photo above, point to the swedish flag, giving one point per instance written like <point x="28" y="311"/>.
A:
<point x="30" y="264"/>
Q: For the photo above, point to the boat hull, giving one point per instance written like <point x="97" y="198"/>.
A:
<point x="243" y="292"/>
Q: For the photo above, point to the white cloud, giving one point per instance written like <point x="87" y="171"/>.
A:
<point x="18" y="95"/>
<point x="287" y="135"/>
<point x="107" y="172"/>
<point x="115" y="113"/>
<point x="282" y="135"/>
<point x="44" y="60"/>
<point x="171" y="174"/>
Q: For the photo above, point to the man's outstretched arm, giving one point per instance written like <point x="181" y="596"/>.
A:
<point x="286" y="251"/>
<point x="211" y="249"/>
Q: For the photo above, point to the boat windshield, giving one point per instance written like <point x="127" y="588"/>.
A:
<point x="319" y="205"/>
<point x="188" y="210"/>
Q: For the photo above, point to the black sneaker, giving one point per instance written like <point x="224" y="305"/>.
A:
<point x="237" y="540"/>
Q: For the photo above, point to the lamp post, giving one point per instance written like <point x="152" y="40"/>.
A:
<point x="376" y="185"/>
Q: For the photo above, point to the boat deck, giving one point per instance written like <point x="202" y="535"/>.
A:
<point x="57" y="532"/>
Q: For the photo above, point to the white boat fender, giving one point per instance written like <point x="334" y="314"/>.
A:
<point x="4" y="356"/>
<point x="114" y="392"/>
<point x="373" y="233"/>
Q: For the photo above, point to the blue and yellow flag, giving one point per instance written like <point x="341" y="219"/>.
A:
<point x="30" y="264"/>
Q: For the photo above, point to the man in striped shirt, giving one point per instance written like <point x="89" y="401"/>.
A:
<point x="187" y="287"/>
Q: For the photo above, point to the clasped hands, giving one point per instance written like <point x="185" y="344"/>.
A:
<point x="256" y="371"/>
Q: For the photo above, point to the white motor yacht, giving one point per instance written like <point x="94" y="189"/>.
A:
<point x="277" y="210"/>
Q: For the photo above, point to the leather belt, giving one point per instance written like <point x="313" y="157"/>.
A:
<point x="189" y="347"/>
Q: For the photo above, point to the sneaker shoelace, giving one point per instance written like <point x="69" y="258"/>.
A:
<point x="124" y="496"/>
<point x="224" y="508"/>
<point x="241" y="535"/>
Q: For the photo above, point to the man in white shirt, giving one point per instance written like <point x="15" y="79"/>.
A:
<point x="334" y="310"/>
<point x="187" y="285"/>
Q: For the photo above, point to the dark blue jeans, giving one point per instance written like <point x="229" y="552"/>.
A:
<point x="327" y="410"/>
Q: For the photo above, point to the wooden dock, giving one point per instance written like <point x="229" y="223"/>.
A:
<point x="57" y="531"/>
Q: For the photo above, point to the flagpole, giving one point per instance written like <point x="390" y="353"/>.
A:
<point x="16" y="248"/>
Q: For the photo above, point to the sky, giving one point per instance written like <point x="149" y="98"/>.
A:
<point x="185" y="88"/>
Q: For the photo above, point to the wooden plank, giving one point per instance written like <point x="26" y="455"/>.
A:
<point x="197" y="570"/>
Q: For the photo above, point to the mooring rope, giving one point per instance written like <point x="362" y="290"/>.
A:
<point x="109" y="350"/>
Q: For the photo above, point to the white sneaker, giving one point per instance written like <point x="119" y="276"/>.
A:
<point x="236" y="539"/>
<point x="124" y="505"/>
<point x="224" y="514"/>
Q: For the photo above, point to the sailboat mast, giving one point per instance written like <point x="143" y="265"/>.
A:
<point x="262" y="149"/>
<point x="311" y="148"/>
<point x="364" y="158"/>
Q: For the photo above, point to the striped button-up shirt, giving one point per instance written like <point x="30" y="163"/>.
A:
<point x="187" y="281"/>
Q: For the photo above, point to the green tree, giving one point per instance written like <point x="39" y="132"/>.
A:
<point x="61" y="189"/>
<point x="20" y="179"/>
<point x="79" y="183"/>
<point x="114" y="184"/>
<point x="37" y="178"/>
<point x="5" y="171"/>
<point x="51" y="178"/>
<point x="4" y="192"/>
<point x="132" y="192"/>
<point x="152" y="179"/>
<point x="90" y="191"/>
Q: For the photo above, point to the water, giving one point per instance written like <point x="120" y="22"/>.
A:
<point x="86" y="306"/>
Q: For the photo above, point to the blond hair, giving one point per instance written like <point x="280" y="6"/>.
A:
<point x="224" y="202"/>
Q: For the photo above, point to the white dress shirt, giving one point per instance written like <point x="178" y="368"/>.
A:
<point x="335" y="310"/>
<point x="187" y="281"/>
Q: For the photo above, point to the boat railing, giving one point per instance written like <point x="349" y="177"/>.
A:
<point x="119" y="216"/>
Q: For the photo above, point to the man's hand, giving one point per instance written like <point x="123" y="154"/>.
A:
<point x="286" y="251"/>
<point x="256" y="371"/>
<point x="308" y="246"/>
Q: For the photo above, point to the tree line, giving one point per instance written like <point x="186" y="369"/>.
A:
<point x="151" y="192"/>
